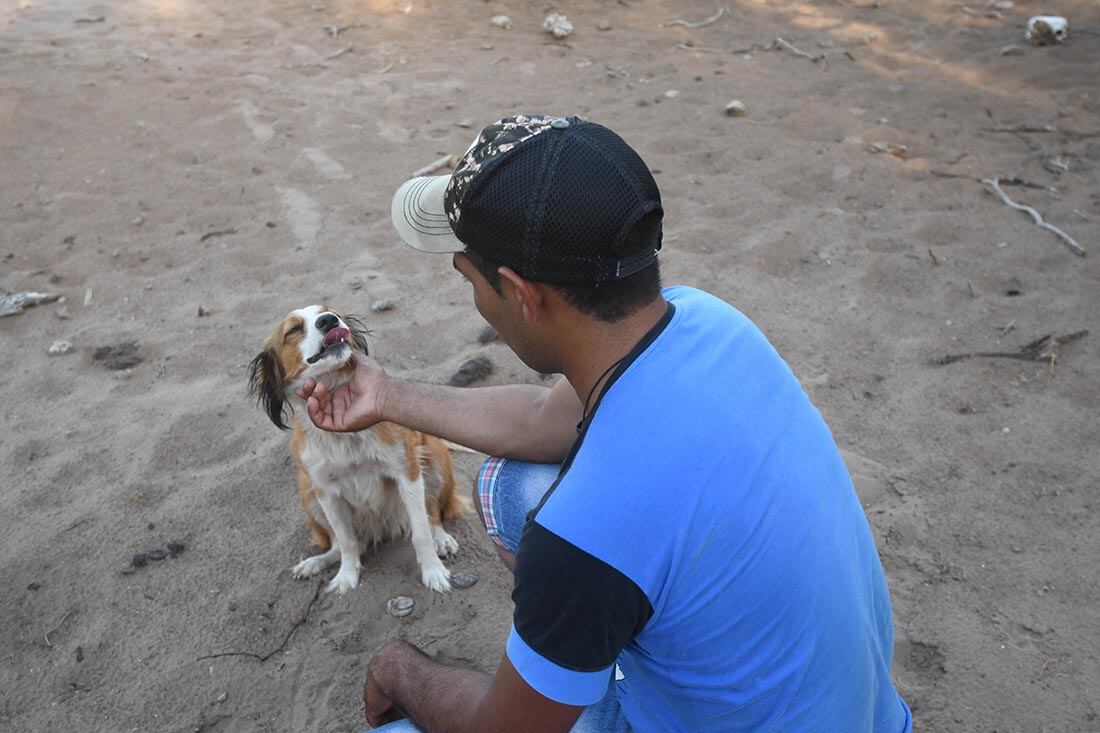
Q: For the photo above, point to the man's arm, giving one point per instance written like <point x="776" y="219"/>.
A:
<point x="402" y="681"/>
<point x="521" y="421"/>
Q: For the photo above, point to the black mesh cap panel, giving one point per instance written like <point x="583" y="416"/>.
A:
<point x="556" y="207"/>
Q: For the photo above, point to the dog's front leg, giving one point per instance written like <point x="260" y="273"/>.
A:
<point x="339" y="518"/>
<point x="432" y="571"/>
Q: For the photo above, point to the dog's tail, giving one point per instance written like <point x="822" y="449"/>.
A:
<point x="454" y="504"/>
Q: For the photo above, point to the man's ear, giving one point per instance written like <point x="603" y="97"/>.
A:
<point x="530" y="296"/>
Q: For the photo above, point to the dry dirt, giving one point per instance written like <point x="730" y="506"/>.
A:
<point x="162" y="156"/>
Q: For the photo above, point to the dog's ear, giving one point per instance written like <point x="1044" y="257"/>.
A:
<point x="265" y="383"/>
<point x="359" y="332"/>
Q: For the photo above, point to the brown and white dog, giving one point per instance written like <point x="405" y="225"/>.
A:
<point x="368" y="486"/>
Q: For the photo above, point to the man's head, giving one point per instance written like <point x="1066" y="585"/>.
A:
<point x="560" y="202"/>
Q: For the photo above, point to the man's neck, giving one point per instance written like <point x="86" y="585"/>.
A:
<point x="595" y="347"/>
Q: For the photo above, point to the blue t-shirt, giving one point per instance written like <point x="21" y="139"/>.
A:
<point x="705" y="536"/>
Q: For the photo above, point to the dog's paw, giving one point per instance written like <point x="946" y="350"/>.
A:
<point x="309" y="567"/>
<point x="445" y="545"/>
<point x="342" y="583"/>
<point x="436" y="577"/>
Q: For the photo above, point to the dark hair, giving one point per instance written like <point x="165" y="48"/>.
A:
<point x="611" y="301"/>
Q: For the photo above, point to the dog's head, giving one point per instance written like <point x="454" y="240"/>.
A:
<point x="314" y="341"/>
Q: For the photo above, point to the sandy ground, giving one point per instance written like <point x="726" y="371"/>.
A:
<point x="131" y="133"/>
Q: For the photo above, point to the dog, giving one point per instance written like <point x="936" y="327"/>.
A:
<point x="364" y="487"/>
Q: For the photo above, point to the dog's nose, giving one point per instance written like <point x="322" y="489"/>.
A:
<point x="326" y="322"/>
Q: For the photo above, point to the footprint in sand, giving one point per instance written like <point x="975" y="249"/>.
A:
<point x="303" y="213"/>
<point x="325" y="165"/>
<point x="260" y="131"/>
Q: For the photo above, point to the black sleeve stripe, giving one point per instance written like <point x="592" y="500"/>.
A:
<point x="572" y="608"/>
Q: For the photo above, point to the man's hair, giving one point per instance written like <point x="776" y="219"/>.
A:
<point x="611" y="301"/>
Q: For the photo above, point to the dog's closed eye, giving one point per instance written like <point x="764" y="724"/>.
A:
<point x="291" y="331"/>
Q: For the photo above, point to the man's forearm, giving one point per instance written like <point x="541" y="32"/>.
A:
<point x="439" y="699"/>
<point x="504" y="421"/>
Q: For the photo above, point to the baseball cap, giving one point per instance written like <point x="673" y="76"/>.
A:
<point x="553" y="198"/>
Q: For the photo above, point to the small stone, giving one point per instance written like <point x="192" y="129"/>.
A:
<point x="386" y="304"/>
<point x="557" y="25"/>
<point x="33" y="586"/>
<point x="60" y="347"/>
<point x="466" y="122"/>
<point x="175" y="548"/>
<point x="80" y="654"/>
<point x="203" y="312"/>
<point x="502" y="21"/>
<point x="463" y="580"/>
<point x="1006" y="430"/>
<point x="158" y="554"/>
<point x="672" y="94"/>
<point x="127" y="569"/>
<point x="1012" y="50"/>
<point x="139" y="559"/>
<point x="736" y="108"/>
<point x="222" y="697"/>
<point x="271" y="225"/>
<point x="487" y="334"/>
<point x="62" y="313"/>
<point x="895" y="149"/>
<point x="399" y="606"/>
<point x="472" y="371"/>
<point x="603" y="25"/>
<point x="139" y="219"/>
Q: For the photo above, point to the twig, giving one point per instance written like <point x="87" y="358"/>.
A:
<point x="699" y="24"/>
<point x="1041" y="349"/>
<point x="935" y="260"/>
<point x="387" y="67"/>
<point x="220" y="233"/>
<point x="981" y="13"/>
<point x="1070" y="241"/>
<point x="445" y="162"/>
<point x="339" y="53"/>
<point x="1022" y="127"/>
<point x="701" y="49"/>
<point x="797" y="51"/>
<point x="46" y="635"/>
<point x="276" y="650"/>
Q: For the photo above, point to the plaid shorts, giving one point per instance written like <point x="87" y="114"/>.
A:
<point x="507" y="491"/>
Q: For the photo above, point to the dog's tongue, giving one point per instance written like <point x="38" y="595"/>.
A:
<point x="336" y="335"/>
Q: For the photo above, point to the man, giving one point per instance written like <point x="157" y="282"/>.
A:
<point x="699" y="560"/>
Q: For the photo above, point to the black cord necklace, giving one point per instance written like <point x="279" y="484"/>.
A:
<point x="584" y="414"/>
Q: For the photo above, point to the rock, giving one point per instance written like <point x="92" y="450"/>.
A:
<point x="139" y="559"/>
<point x="60" y="347"/>
<point x="127" y="569"/>
<point x="672" y="94"/>
<point x="502" y="21"/>
<point x="463" y="580"/>
<point x="736" y="108"/>
<point x="1012" y="50"/>
<point x="472" y="371"/>
<point x="1046" y="30"/>
<point x="487" y="334"/>
<point x="158" y="554"/>
<point x="175" y="548"/>
<point x="203" y="312"/>
<point x="466" y="122"/>
<point x="12" y="304"/>
<point x="557" y="25"/>
<point x="895" y="149"/>
<point x="33" y="586"/>
<point x="120" y="356"/>
<point x="399" y="606"/>
<point x="222" y="697"/>
<point x="385" y="304"/>
<point x="80" y="654"/>
<point x="62" y="313"/>
<point x="603" y="25"/>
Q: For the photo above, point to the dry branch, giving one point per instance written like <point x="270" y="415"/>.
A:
<point x="699" y="24"/>
<point x="1044" y="348"/>
<point x="1070" y="241"/>
<point x="780" y="43"/>
<point x="276" y="650"/>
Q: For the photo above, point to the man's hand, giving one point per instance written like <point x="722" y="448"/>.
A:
<point x="353" y="406"/>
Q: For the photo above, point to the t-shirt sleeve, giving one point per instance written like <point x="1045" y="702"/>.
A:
<point x="574" y="614"/>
